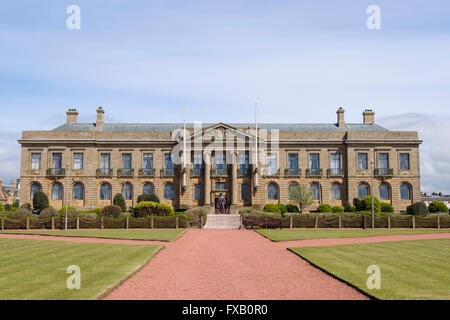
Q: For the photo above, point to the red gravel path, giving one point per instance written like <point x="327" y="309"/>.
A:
<point x="233" y="264"/>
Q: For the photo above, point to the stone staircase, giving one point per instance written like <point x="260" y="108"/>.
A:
<point x="223" y="221"/>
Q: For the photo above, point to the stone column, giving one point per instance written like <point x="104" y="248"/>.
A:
<point x="207" y="195"/>
<point x="234" y="185"/>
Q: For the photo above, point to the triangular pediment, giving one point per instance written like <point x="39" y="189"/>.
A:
<point x="222" y="129"/>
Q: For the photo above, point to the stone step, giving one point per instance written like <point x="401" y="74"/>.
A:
<point x="223" y="221"/>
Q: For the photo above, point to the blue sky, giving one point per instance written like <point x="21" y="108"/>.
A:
<point x="301" y="60"/>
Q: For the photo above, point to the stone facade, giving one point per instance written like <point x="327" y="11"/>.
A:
<point x="72" y="156"/>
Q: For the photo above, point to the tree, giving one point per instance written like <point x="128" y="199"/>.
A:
<point x="40" y="201"/>
<point x="301" y="195"/>
<point x="119" y="201"/>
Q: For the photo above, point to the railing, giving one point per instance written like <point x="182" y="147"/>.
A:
<point x="147" y="172"/>
<point x="219" y="171"/>
<point x="102" y="172"/>
<point x="270" y="172"/>
<point x="292" y="172"/>
<point x="56" y="172"/>
<point x="312" y="172"/>
<point x="125" y="172"/>
<point x="243" y="171"/>
<point x="335" y="172"/>
<point x="383" y="172"/>
<point x="167" y="172"/>
<point x="197" y="171"/>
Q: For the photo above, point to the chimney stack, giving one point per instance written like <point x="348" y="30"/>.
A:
<point x="368" y="116"/>
<point x="72" y="116"/>
<point x="340" y="118"/>
<point x="100" y="114"/>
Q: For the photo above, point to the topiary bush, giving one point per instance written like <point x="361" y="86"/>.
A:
<point x="282" y="208"/>
<point x="355" y="202"/>
<point x="148" y="208"/>
<point x="337" y="209"/>
<point x="324" y="207"/>
<point x="2" y="208"/>
<point x="40" y="201"/>
<point x="63" y="209"/>
<point x="417" y="209"/>
<point x="194" y="215"/>
<point x="347" y="206"/>
<point x="71" y="214"/>
<point x="26" y="206"/>
<point x="148" y="197"/>
<point x="111" y="211"/>
<point x="387" y="207"/>
<point x="292" y="208"/>
<point x="119" y="201"/>
<point x="21" y="214"/>
<point x="437" y="206"/>
<point x="272" y="207"/>
<point x="97" y="211"/>
<point x="365" y="204"/>
<point x="48" y="213"/>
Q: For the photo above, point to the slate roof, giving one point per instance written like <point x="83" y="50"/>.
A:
<point x="148" y="127"/>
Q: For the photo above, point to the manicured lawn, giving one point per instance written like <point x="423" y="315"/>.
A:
<point x="416" y="269"/>
<point x="132" y="234"/>
<point x="36" y="269"/>
<point x="301" y="234"/>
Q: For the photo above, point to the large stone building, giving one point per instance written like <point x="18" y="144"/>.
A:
<point x="95" y="161"/>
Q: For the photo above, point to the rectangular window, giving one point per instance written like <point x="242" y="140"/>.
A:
<point x="244" y="191"/>
<point x="383" y="160"/>
<point x="57" y="161"/>
<point x="314" y="163"/>
<point x="272" y="163"/>
<point x="221" y="185"/>
<point x="168" y="164"/>
<point x="36" y="161"/>
<point x="198" y="163"/>
<point x="243" y="163"/>
<point x="77" y="161"/>
<point x="126" y="160"/>
<point x="148" y="161"/>
<point x="105" y="162"/>
<point x="335" y="163"/>
<point x="221" y="163"/>
<point x="362" y="161"/>
<point x="404" y="161"/>
<point x="293" y="163"/>
<point x="196" y="192"/>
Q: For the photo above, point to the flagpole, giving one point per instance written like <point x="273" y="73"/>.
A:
<point x="184" y="147"/>
<point x="256" y="145"/>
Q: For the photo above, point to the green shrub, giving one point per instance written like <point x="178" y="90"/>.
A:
<point x="437" y="206"/>
<point x="337" y="209"/>
<point x="417" y="209"/>
<point x="194" y="215"/>
<point x="365" y="204"/>
<point x="111" y="211"/>
<point x="21" y="214"/>
<point x="272" y="207"/>
<point x="148" y="208"/>
<point x="63" y="209"/>
<point x="387" y="207"/>
<point x="97" y="211"/>
<point x="324" y="207"/>
<point x="292" y="208"/>
<point x="119" y="201"/>
<point x="282" y="208"/>
<point x="92" y="216"/>
<point x="347" y="206"/>
<point x="148" y="197"/>
<point x="2" y="208"/>
<point x="40" y="201"/>
<point x="26" y="206"/>
<point x="8" y="207"/>
<point x="48" y="213"/>
<point x="71" y="214"/>
<point x="355" y="202"/>
<point x="15" y="205"/>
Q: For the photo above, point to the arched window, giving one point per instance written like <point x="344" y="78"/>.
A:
<point x="384" y="190"/>
<point x="148" y="188"/>
<point x="336" y="191"/>
<point x="57" y="189"/>
<point x="292" y="186"/>
<point x="35" y="187"/>
<point x="405" y="191"/>
<point x="169" y="191"/>
<point x="314" y="188"/>
<point x="78" y="191"/>
<point x="363" y="190"/>
<point x="127" y="191"/>
<point x="272" y="191"/>
<point x="105" y="191"/>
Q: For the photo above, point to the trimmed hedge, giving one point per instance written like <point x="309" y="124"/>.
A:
<point x="337" y="209"/>
<point x="40" y="201"/>
<point x="324" y="207"/>
<point x="63" y="209"/>
<point x="417" y="209"/>
<point x="148" y="208"/>
<point x="119" y="201"/>
<point x="292" y="208"/>
<point x="275" y="208"/>
<point x="387" y="207"/>
<point x="148" y="197"/>
<point x="111" y="211"/>
<point x="365" y="204"/>
<point x="48" y="213"/>
<point x="435" y="206"/>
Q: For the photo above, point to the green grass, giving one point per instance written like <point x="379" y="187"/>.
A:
<point x="416" y="269"/>
<point x="132" y="234"/>
<point x="36" y="269"/>
<point x="302" y="234"/>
